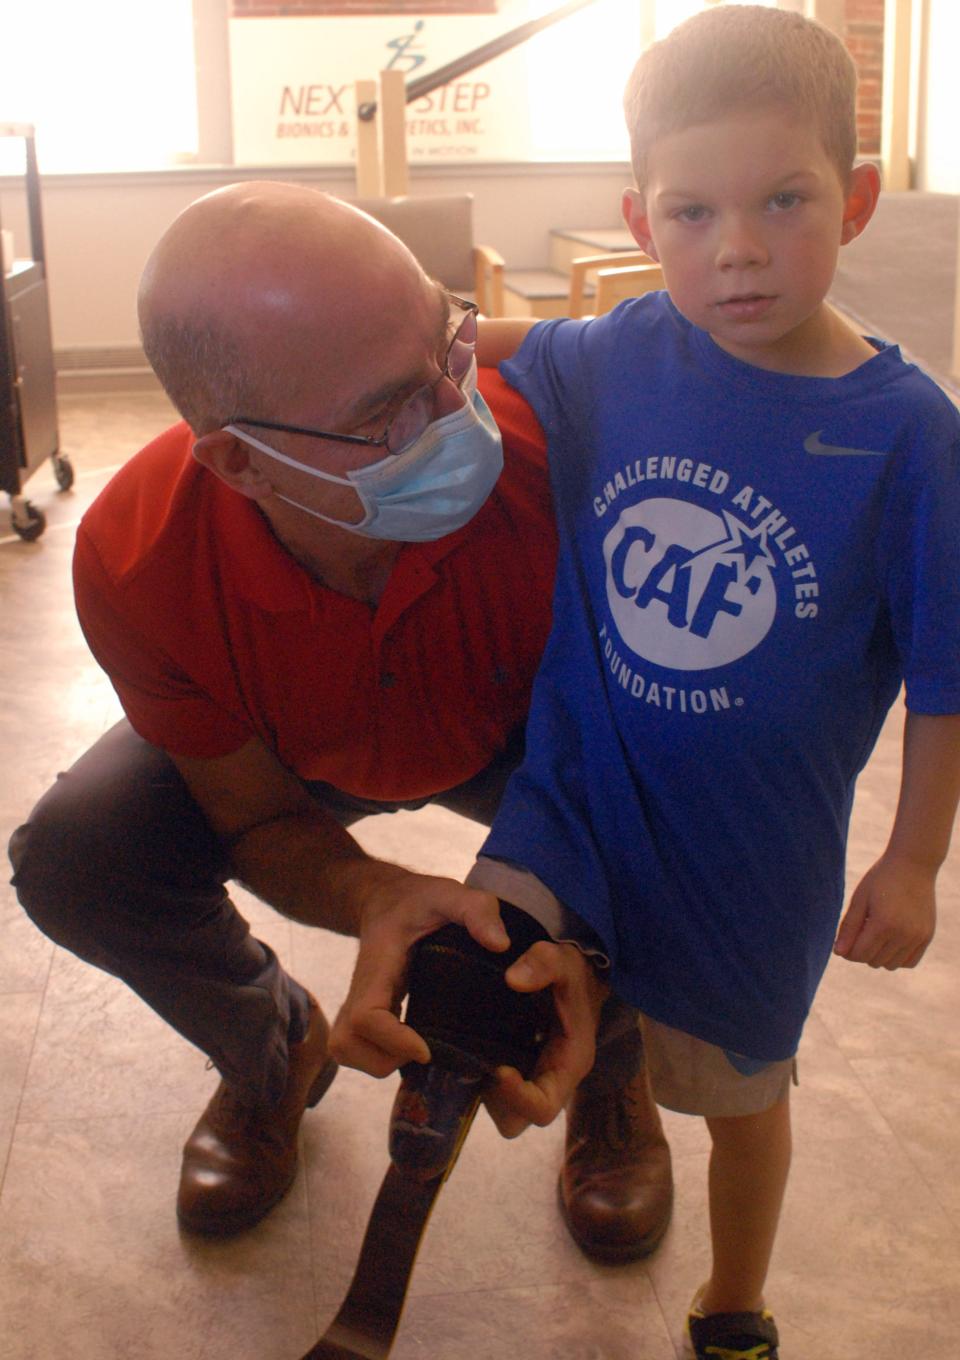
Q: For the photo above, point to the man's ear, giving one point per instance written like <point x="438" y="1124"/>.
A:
<point x="860" y="202"/>
<point x="635" y="215"/>
<point x="228" y="458"/>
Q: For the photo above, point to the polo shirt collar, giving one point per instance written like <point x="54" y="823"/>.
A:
<point x="270" y="577"/>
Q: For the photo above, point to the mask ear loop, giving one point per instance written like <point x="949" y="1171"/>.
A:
<point x="283" y="458"/>
<point x="365" y="478"/>
<point x="368" y="512"/>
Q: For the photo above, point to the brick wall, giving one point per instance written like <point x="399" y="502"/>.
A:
<point x="864" y="39"/>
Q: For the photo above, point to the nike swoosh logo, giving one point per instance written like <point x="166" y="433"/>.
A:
<point x="814" y="444"/>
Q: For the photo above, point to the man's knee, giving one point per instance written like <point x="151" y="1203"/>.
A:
<point x="51" y="860"/>
<point x="117" y="835"/>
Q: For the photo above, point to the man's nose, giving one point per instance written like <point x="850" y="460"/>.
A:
<point x="741" y="244"/>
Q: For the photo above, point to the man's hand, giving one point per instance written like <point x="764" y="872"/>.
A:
<point x="400" y="909"/>
<point x="892" y="916"/>
<point x="368" y="1034"/>
<point x="578" y="996"/>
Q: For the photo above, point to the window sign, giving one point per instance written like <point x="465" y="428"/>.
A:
<point x="555" y="97"/>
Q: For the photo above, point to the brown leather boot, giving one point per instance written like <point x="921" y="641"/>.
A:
<point x="241" y="1158"/>
<point x="616" y="1183"/>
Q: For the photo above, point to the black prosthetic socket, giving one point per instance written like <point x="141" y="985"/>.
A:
<point x="473" y="1023"/>
<point x="461" y="1005"/>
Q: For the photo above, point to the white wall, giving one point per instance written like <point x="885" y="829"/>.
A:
<point x="99" y="229"/>
<point x="938" y="145"/>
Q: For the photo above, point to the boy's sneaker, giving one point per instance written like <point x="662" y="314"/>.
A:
<point x="730" y="1336"/>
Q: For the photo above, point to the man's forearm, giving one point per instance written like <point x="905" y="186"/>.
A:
<point x="929" y="790"/>
<point x="307" y="866"/>
<point x="499" y="338"/>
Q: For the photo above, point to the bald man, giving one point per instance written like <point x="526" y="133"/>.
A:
<point x="323" y="594"/>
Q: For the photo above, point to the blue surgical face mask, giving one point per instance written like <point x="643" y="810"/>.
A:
<point x="430" y="489"/>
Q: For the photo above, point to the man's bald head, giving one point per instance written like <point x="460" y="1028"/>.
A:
<point x="258" y="288"/>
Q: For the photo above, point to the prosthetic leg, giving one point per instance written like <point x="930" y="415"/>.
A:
<point x="473" y="1024"/>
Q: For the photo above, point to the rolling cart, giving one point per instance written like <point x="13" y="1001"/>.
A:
<point x="28" y="395"/>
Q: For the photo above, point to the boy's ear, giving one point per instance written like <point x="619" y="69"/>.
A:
<point x="860" y="202"/>
<point x="227" y="457"/>
<point x="635" y="215"/>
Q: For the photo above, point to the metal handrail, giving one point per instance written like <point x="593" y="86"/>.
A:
<point x="416" y="89"/>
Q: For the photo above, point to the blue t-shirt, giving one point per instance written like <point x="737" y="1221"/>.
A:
<point x="750" y="565"/>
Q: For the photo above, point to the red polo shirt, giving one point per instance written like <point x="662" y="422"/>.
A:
<point x="212" y="633"/>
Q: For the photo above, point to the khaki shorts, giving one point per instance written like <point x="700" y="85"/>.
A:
<point x="686" y="1074"/>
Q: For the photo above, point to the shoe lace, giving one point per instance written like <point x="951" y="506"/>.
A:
<point x="608" y="1113"/>
<point x="250" y="1119"/>
<point x="239" y="1111"/>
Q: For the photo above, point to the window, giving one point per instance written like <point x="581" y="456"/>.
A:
<point x="109" y="84"/>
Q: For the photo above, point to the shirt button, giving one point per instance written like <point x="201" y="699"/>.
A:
<point x="387" y="679"/>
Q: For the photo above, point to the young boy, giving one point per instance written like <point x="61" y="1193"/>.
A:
<point x="758" y="514"/>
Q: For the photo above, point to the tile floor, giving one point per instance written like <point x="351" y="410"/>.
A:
<point x="96" y="1097"/>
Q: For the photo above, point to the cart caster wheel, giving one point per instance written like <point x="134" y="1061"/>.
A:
<point x="29" y="522"/>
<point x="63" y="471"/>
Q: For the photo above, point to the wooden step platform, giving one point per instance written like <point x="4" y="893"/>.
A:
<point x="544" y="293"/>
<point x="570" y="243"/>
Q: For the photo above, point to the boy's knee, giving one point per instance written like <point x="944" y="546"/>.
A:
<point x="746" y="1132"/>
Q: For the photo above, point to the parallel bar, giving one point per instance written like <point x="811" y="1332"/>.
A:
<point x="479" y="56"/>
<point x="393" y="134"/>
<point x="369" y="180"/>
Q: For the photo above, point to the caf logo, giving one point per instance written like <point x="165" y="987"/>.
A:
<point x="688" y="589"/>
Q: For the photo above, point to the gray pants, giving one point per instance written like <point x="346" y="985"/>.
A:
<point x="118" y="864"/>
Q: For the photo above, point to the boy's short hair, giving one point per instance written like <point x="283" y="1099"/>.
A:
<point x="736" y="57"/>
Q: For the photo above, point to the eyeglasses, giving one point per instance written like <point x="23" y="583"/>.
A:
<point x="417" y="412"/>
